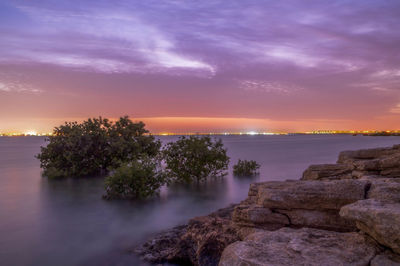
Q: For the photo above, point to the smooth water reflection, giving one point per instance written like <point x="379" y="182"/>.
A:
<point x="65" y="222"/>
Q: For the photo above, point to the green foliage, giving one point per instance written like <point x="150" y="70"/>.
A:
<point x="246" y="168"/>
<point x="195" y="158"/>
<point x="136" y="180"/>
<point x="95" y="146"/>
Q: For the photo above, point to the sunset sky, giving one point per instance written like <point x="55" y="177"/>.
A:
<point x="212" y="65"/>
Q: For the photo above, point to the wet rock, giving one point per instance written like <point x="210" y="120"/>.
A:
<point x="163" y="247"/>
<point x="380" y="220"/>
<point x="200" y="242"/>
<point x="305" y="246"/>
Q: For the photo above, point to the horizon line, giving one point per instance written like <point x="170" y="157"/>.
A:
<point x="251" y="133"/>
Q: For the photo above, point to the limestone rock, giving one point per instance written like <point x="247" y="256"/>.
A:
<point x="385" y="189"/>
<point x="380" y="220"/>
<point x="328" y="220"/>
<point x="315" y="204"/>
<point x="360" y="192"/>
<point x="311" y="195"/>
<point x="305" y="246"/>
<point x="381" y="162"/>
<point x="366" y="154"/>
<point x="386" y="259"/>
<point x="327" y="172"/>
<point x="257" y="216"/>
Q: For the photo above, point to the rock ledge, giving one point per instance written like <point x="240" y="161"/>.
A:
<point x="337" y="214"/>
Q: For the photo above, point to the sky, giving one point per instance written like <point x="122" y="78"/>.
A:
<point x="211" y="65"/>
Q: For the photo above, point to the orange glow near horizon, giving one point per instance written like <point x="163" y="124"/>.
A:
<point x="159" y="125"/>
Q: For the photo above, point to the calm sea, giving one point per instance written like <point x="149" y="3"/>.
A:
<point x="66" y="222"/>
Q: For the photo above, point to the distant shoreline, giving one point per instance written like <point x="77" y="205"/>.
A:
<point x="380" y="133"/>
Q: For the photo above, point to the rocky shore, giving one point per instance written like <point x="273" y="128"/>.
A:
<point x="346" y="213"/>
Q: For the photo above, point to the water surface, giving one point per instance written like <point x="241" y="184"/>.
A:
<point x="65" y="222"/>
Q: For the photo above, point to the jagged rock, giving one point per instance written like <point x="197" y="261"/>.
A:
<point x="163" y="247"/>
<point x="305" y="246"/>
<point x="200" y="242"/>
<point x="380" y="220"/>
<point x="386" y="259"/>
<point x="327" y="172"/>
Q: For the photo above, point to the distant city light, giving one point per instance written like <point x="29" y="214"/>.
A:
<point x="250" y="133"/>
<point x="31" y="133"/>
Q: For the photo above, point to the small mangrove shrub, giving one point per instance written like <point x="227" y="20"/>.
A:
<point x="246" y="168"/>
<point x="195" y="159"/>
<point x="135" y="180"/>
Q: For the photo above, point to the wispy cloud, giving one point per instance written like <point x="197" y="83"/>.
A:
<point x="103" y="41"/>
<point x="18" y="87"/>
<point x="268" y="86"/>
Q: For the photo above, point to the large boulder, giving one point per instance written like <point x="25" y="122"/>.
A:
<point x="304" y="246"/>
<point x="379" y="219"/>
<point x="316" y="204"/>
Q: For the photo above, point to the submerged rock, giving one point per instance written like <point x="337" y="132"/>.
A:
<point x="305" y="246"/>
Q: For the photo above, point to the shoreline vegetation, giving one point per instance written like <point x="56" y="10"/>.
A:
<point x="135" y="163"/>
<point x="346" y="213"/>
